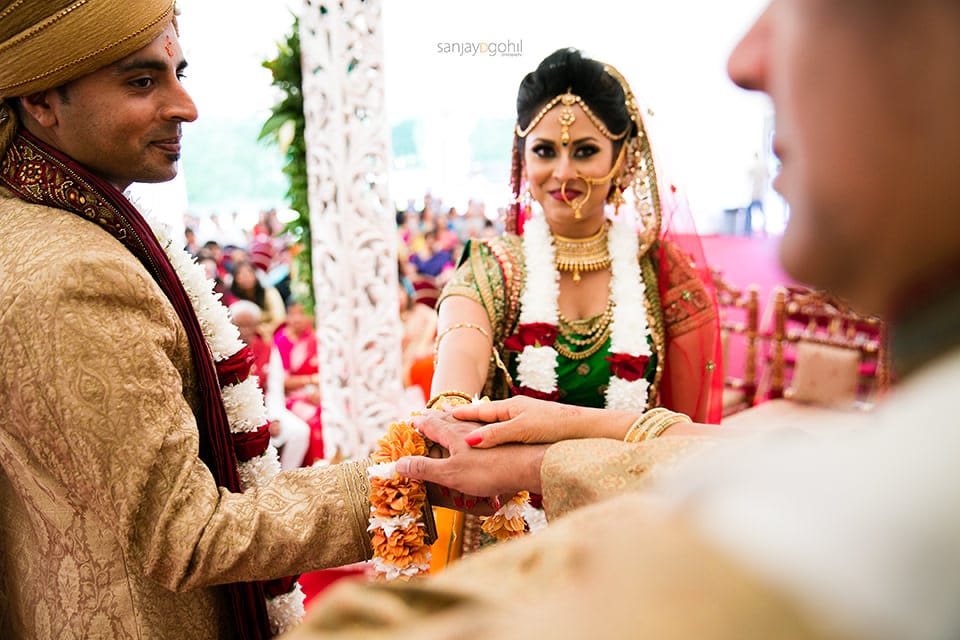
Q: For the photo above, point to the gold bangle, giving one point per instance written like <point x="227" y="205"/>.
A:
<point x="633" y="431"/>
<point x="449" y="398"/>
<point x="653" y="423"/>
<point x="454" y="327"/>
<point x="655" y="431"/>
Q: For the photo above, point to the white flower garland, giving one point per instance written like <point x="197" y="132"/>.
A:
<point x="537" y="365"/>
<point x="243" y="402"/>
<point x="629" y="331"/>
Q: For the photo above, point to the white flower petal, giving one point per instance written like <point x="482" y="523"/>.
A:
<point x="244" y="404"/>
<point x="383" y="471"/>
<point x="396" y="523"/>
<point x="286" y="610"/>
<point x="626" y="395"/>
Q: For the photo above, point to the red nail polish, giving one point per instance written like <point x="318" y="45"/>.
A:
<point x="471" y="504"/>
<point x="457" y="500"/>
<point x="474" y="440"/>
<point x="445" y="491"/>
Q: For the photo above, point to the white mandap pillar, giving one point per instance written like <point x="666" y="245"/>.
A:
<point x="352" y="222"/>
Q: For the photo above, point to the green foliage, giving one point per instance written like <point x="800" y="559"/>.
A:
<point x="285" y="127"/>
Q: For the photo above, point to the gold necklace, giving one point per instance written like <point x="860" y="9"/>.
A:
<point x="593" y="340"/>
<point x="583" y="355"/>
<point x="569" y="328"/>
<point x="582" y="254"/>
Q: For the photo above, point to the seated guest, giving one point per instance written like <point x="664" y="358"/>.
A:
<point x="210" y="266"/>
<point x="433" y="259"/>
<point x="247" y="286"/>
<point x="296" y="343"/>
<point x="419" y="331"/>
<point x="288" y="433"/>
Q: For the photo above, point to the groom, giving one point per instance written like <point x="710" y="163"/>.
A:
<point x="128" y="508"/>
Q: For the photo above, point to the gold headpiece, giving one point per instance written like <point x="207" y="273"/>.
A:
<point x="567" y="118"/>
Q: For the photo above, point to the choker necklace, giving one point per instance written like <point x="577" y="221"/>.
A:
<point x="582" y="254"/>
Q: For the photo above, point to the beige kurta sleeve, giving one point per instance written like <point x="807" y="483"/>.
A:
<point x="613" y="570"/>
<point x="575" y="473"/>
<point x="96" y="376"/>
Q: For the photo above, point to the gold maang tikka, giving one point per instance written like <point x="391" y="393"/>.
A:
<point x="567" y="117"/>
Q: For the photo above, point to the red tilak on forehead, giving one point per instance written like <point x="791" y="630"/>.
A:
<point x="168" y="47"/>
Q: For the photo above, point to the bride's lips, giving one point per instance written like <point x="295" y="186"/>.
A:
<point x="571" y="195"/>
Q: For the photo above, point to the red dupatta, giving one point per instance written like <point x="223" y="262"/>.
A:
<point x="37" y="173"/>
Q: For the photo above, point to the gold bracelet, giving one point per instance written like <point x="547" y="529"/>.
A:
<point x="653" y="423"/>
<point x="454" y="327"/>
<point x="639" y="427"/>
<point x="634" y="429"/>
<point x="656" y="430"/>
<point x="449" y="398"/>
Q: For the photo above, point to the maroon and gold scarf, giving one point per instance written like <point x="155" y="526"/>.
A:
<point x="40" y="174"/>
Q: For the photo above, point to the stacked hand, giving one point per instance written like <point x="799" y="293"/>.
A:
<point x="526" y="420"/>
<point x="485" y="472"/>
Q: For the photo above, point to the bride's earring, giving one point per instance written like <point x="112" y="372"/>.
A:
<point x="616" y="196"/>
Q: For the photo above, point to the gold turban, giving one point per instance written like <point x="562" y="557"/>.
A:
<point x="46" y="43"/>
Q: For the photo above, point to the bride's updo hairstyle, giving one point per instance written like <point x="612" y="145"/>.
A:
<point x="568" y="69"/>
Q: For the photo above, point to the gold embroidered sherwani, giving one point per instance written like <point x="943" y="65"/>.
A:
<point x="110" y="524"/>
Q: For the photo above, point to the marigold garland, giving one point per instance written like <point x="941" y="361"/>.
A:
<point x="508" y="522"/>
<point x="400" y="550"/>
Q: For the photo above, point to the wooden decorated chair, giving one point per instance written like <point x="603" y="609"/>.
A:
<point x="824" y="353"/>
<point x="739" y="332"/>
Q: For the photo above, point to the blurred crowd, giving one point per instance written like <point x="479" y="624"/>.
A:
<point x="251" y="269"/>
<point x="430" y="241"/>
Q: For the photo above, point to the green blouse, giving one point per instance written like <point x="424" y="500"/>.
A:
<point x="492" y="274"/>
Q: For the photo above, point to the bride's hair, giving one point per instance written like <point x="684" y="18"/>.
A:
<point x="568" y="69"/>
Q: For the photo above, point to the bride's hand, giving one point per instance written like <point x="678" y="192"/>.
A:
<point x="527" y="420"/>
<point x="499" y="471"/>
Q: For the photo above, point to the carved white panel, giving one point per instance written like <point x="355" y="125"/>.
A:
<point x="352" y="222"/>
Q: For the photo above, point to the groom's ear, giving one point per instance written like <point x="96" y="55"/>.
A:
<point x="42" y="107"/>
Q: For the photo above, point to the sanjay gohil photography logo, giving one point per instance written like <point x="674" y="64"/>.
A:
<point x="509" y="48"/>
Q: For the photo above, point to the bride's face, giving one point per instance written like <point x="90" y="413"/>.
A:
<point x="555" y="172"/>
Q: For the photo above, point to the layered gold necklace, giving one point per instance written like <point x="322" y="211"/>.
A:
<point x="591" y="333"/>
<point x="579" y="255"/>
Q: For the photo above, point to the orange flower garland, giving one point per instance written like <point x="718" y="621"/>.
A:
<point x="508" y="522"/>
<point x="400" y="550"/>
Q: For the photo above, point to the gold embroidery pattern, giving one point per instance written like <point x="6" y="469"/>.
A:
<point x="110" y="525"/>
<point x="40" y="178"/>
<point x="576" y="473"/>
<point x="686" y="303"/>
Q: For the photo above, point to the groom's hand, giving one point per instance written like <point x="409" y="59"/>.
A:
<point x="503" y="470"/>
